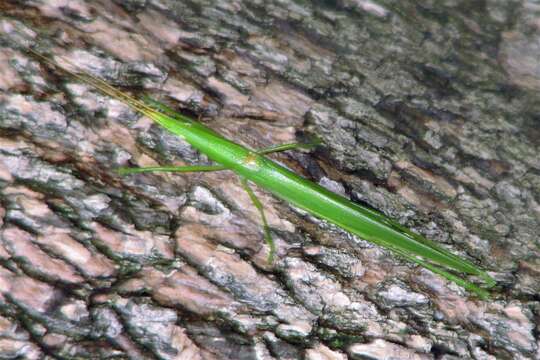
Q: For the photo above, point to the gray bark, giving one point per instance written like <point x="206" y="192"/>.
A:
<point x="429" y="111"/>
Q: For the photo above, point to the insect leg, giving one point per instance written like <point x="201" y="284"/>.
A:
<point x="178" y="169"/>
<point x="267" y="236"/>
<point x="289" y="146"/>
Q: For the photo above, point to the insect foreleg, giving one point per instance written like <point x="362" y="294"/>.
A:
<point x="177" y="169"/>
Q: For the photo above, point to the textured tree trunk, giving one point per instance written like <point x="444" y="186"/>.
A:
<point x="429" y="111"/>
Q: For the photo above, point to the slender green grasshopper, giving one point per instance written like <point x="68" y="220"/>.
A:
<point x="255" y="167"/>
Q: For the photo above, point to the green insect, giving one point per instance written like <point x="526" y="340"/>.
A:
<point x="253" y="166"/>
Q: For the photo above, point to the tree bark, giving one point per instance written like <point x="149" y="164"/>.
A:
<point x="429" y="111"/>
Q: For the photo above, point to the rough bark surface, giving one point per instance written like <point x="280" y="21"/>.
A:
<point x="430" y="114"/>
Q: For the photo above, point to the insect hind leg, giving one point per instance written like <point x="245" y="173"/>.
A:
<point x="266" y="229"/>
<point x="288" y="146"/>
